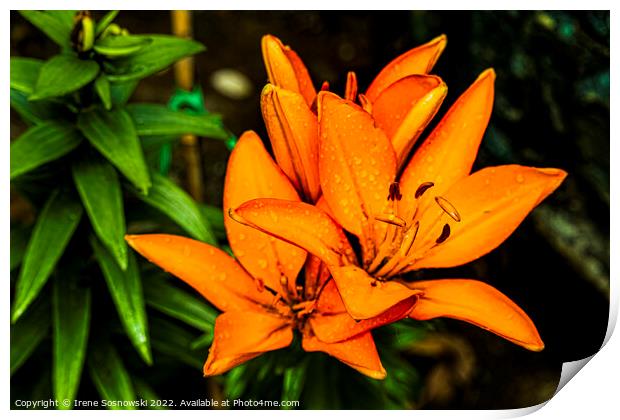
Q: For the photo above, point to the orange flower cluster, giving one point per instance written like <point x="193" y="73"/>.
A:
<point x="343" y="165"/>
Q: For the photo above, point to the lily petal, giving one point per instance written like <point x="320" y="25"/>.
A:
<point x="448" y="153"/>
<point x="213" y="273"/>
<point x="301" y="224"/>
<point x="358" y="352"/>
<point x="241" y="336"/>
<point x="479" y="304"/>
<point x="491" y="203"/>
<point x="419" y="60"/>
<point x="332" y="323"/>
<point x="357" y="163"/>
<point x="293" y="131"/>
<point x="365" y="297"/>
<point x="404" y="109"/>
<point x="285" y="69"/>
<point x="252" y="173"/>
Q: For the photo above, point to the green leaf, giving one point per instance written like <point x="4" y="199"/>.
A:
<point x="215" y="217"/>
<point x="52" y="232"/>
<point x="115" y="46"/>
<point x="100" y="190"/>
<point x="105" y="21"/>
<point x="112" y="133"/>
<point x="41" y="144"/>
<point x="18" y="243"/>
<point x="27" y="334"/>
<point x="293" y="382"/>
<point x="171" y="300"/>
<point x="126" y="290"/>
<point x="121" y="92"/>
<point x="174" y="341"/>
<point x="163" y="51"/>
<point x="203" y="341"/>
<point x="24" y="73"/>
<point x="110" y="376"/>
<point x="63" y="74"/>
<point x="34" y="112"/>
<point x="56" y="24"/>
<point x="147" y="393"/>
<point x="171" y="200"/>
<point x="102" y="86"/>
<point x="72" y="307"/>
<point x="153" y="119"/>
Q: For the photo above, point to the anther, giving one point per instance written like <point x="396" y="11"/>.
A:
<point x="448" y="208"/>
<point x="394" y="192"/>
<point x="325" y="86"/>
<point x="422" y="189"/>
<point x="260" y="284"/>
<point x="365" y="103"/>
<point x="351" y="88"/>
<point x="445" y="233"/>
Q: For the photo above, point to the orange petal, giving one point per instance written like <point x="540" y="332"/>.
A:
<point x="316" y="274"/>
<point x="448" y="153"/>
<point x="285" y="69"/>
<point x="213" y="273"/>
<point x="357" y="163"/>
<point x="404" y="109"/>
<point x="241" y="336"/>
<point x="301" y="224"/>
<point x="331" y="323"/>
<point x="358" y="352"/>
<point x="251" y="174"/>
<point x="293" y="131"/>
<point x="479" y="304"/>
<point x="419" y="60"/>
<point x="491" y="203"/>
<point x="365" y="297"/>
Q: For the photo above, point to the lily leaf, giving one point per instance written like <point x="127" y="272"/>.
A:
<point x="171" y="200"/>
<point x="102" y="86"/>
<point x="293" y="382"/>
<point x="121" y="92"/>
<point x="163" y="51"/>
<point x="215" y="217"/>
<point x="52" y="232"/>
<point x="174" y="341"/>
<point x="24" y="73"/>
<point x="41" y="144"/>
<point x="28" y="332"/>
<point x="110" y="376"/>
<point x="126" y="290"/>
<point x="34" y="112"/>
<point x="56" y="24"/>
<point x="114" y="46"/>
<point x="154" y="119"/>
<point x="63" y="74"/>
<point x="105" y="21"/>
<point x="203" y="341"/>
<point x="18" y="243"/>
<point x="72" y="310"/>
<point x="163" y="296"/>
<point x="147" y="393"/>
<point x="100" y="190"/>
<point x="112" y="133"/>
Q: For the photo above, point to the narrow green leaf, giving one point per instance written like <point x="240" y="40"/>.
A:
<point x="115" y="46"/>
<point x="126" y="290"/>
<point x="63" y="74"/>
<point x="215" y="217"/>
<point x="175" y="203"/>
<point x="163" y="51"/>
<point x="174" y="341"/>
<point x="56" y="24"/>
<point x="18" y="243"/>
<point x="121" y="92"/>
<point x="147" y="393"/>
<point x="110" y="376"/>
<point x="52" y="232"/>
<point x="34" y="112"/>
<point x="24" y="73"/>
<point x="203" y="341"/>
<point x="41" y="144"/>
<point x="102" y="86"/>
<point x="100" y="190"/>
<point x="105" y="21"/>
<point x="112" y="133"/>
<point x="293" y="382"/>
<point x="154" y="119"/>
<point x="28" y="332"/>
<point x="171" y="300"/>
<point x="72" y="307"/>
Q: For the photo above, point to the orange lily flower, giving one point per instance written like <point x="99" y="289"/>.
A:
<point x="402" y="100"/>
<point x="437" y="215"/>
<point x="261" y="302"/>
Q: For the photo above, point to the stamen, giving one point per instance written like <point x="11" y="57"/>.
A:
<point x="260" y="284"/>
<point x="325" y="86"/>
<point x="392" y="220"/>
<point x="422" y="189"/>
<point x="411" y="238"/>
<point x="365" y="102"/>
<point x="448" y="208"/>
<point x="351" y="89"/>
<point x="445" y="233"/>
<point x="394" y="192"/>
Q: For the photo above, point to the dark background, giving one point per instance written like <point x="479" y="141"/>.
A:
<point x="551" y="110"/>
